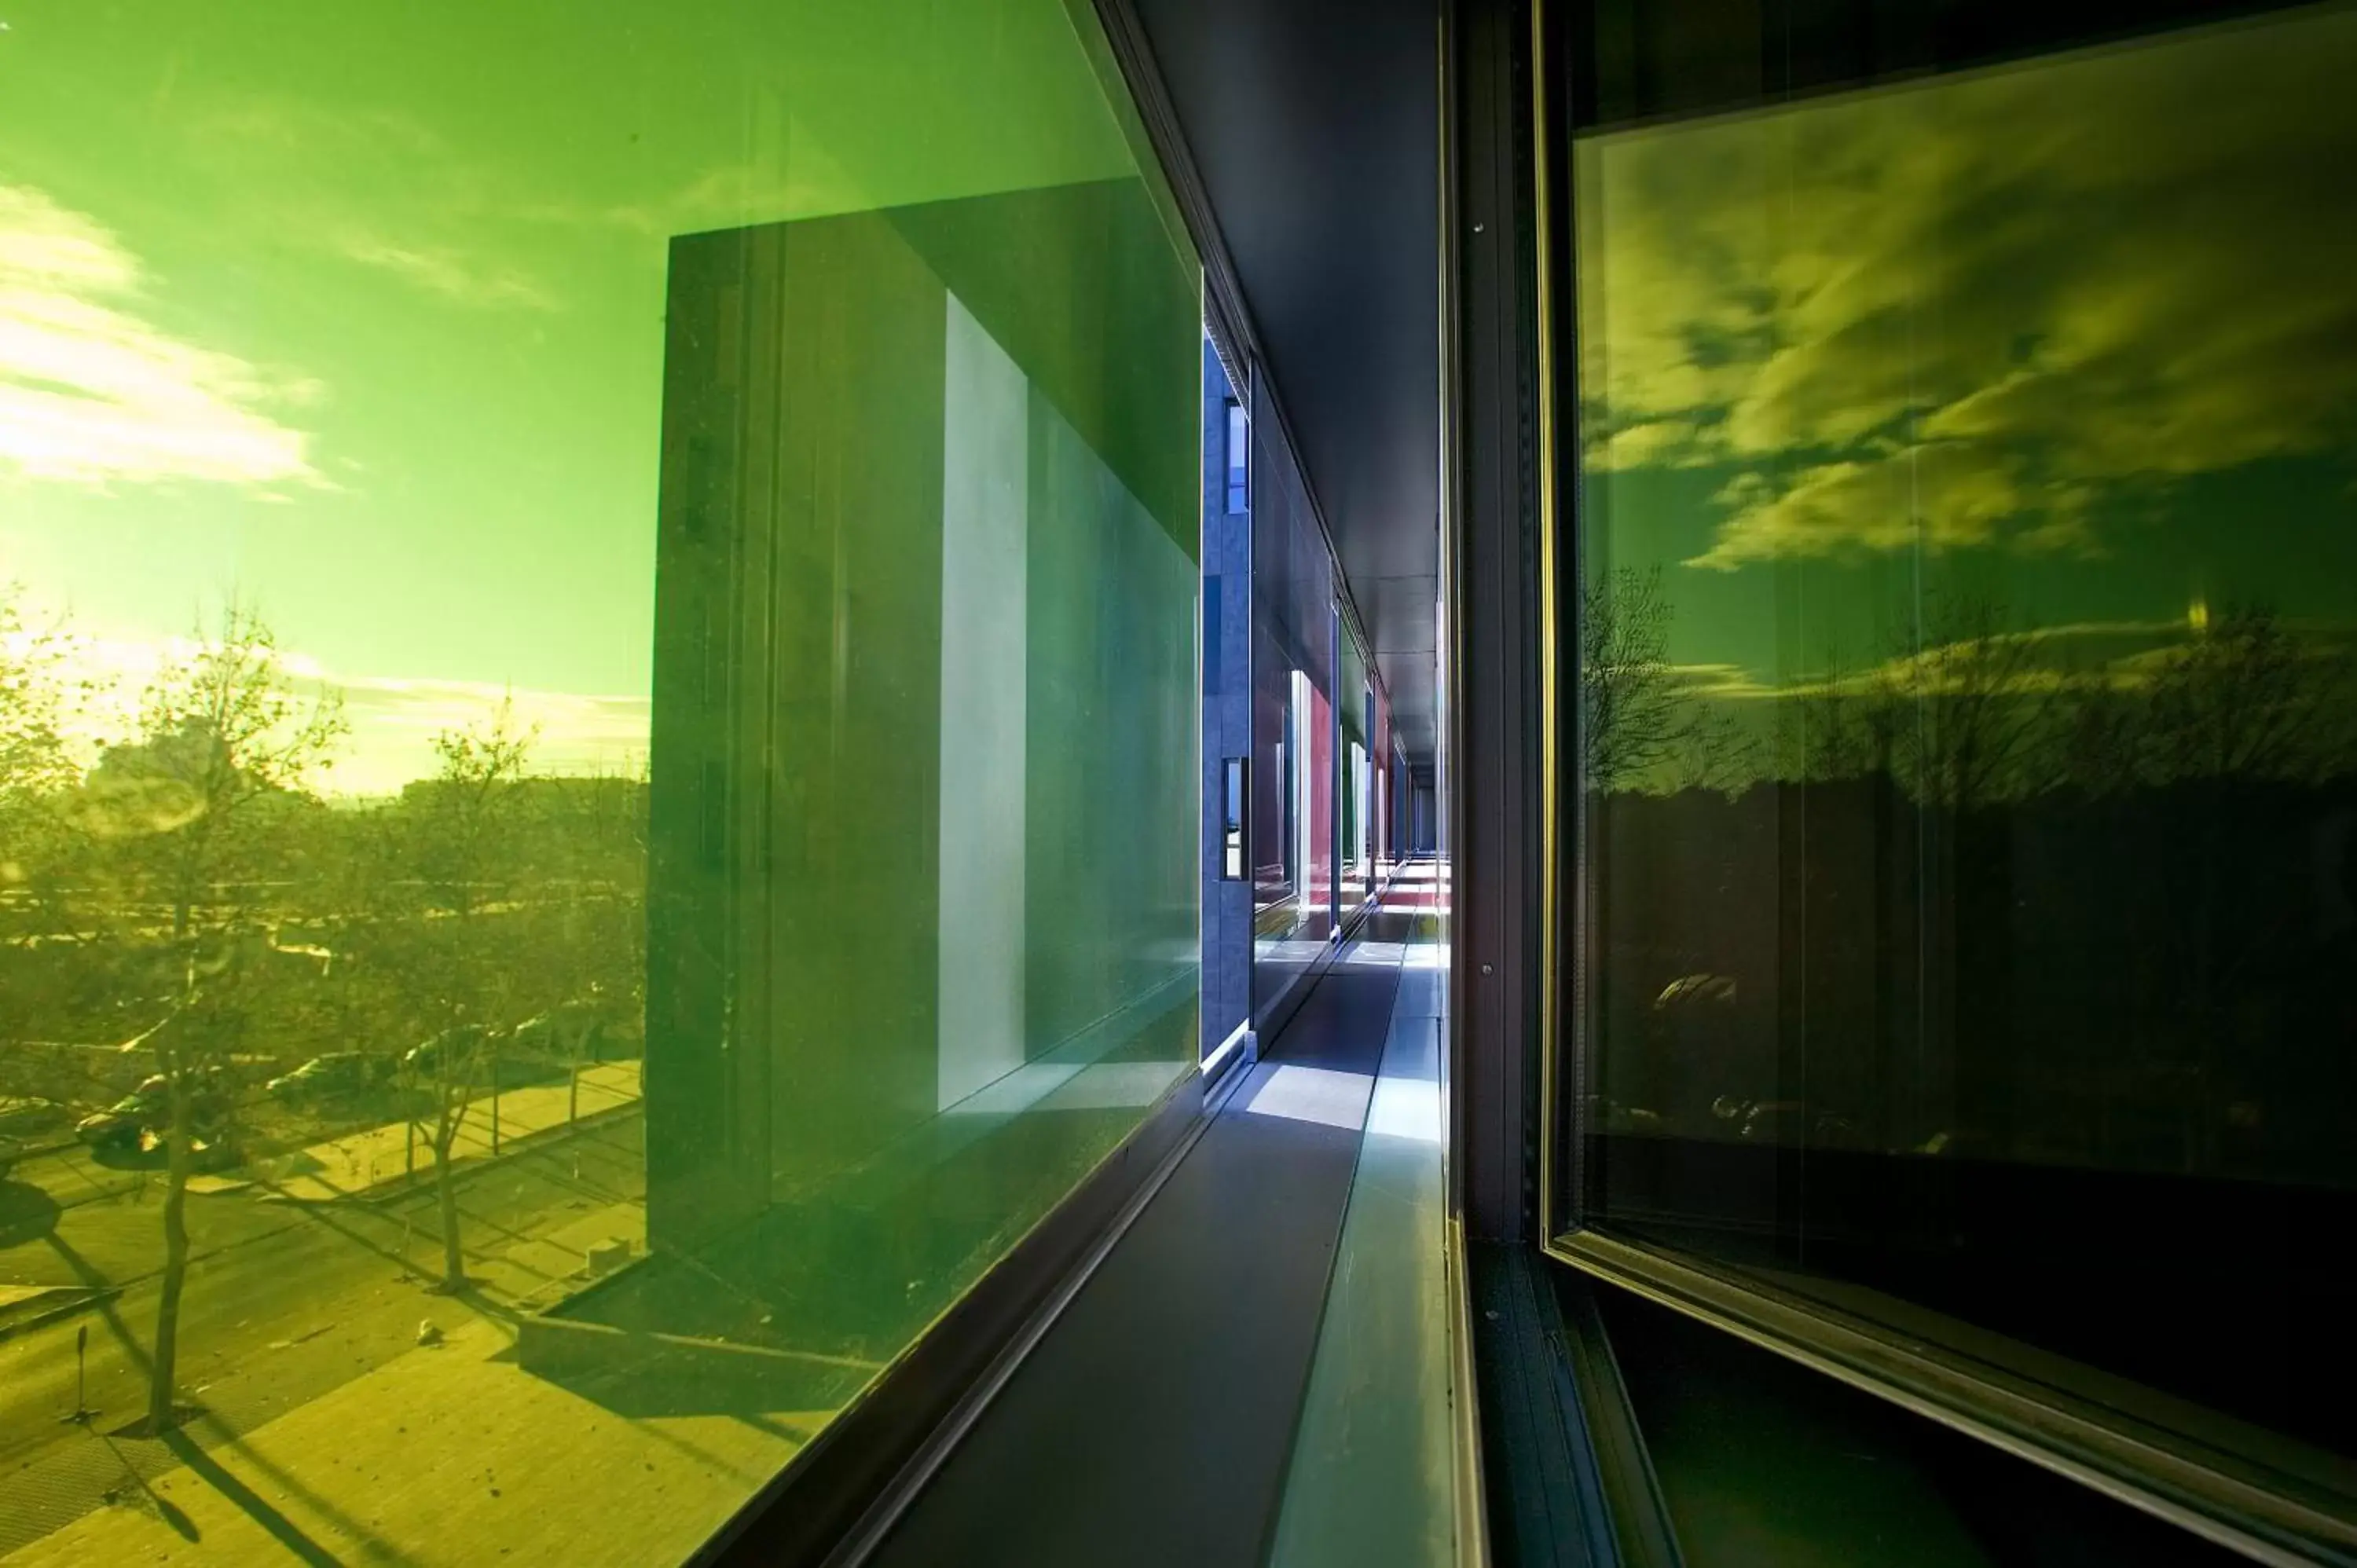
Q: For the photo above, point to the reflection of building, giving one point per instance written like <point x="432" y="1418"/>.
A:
<point x="924" y="631"/>
<point x="1230" y="808"/>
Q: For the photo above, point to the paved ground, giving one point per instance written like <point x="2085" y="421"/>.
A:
<point x="441" y="1455"/>
<point x="286" y="1304"/>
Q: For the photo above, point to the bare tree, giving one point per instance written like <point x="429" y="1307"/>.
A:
<point x="35" y="695"/>
<point x="461" y="850"/>
<point x="1961" y="714"/>
<point x="2243" y="698"/>
<point x="223" y="735"/>
<point x="1850" y="724"/>
<point x="37" y="698"/>
<point x="2099" y="735"/>
<point x="597" y="830"/>
<point x="1714" y="752"/>
<point x="1828" y="745"/>
<point x="1631" y="715"/>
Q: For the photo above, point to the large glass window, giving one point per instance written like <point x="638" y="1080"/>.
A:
<point x="597" y="718"/>
<point x="1293" y="633"/>
<point x="1967" y="734"/>
<point x="1353" y="710"/>
<point x="1237" y="458"/>
<point x="1229" y="911"/>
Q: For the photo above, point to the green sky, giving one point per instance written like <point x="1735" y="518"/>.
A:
<point x="356" y="310"/>
<point x="2076" y="336"/>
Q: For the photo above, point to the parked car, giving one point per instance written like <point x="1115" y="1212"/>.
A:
<point x="472" y="1053"/>
<point x="453" y="1053"/>
<point x="147" y="1109"/>
<point x="569" y="1033"/>
<point x="120" y="1124"/>
<point x="333" y="1076"/>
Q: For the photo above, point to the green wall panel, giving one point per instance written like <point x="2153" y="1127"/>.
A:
<point x="924" y="935"/>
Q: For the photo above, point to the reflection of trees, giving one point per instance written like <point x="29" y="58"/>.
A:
<point x="2242" y="699"/>
<point x="2038" y="909"/>
<point x="2095" y="732"/>
<point x="1977" y="712"/>
<point x="1710" y="751"/>
<point x="1965" y="705"/>
<point x="1631" y="715"/>
<point x="1955" y="715"/>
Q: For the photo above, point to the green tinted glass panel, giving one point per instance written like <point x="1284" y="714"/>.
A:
<point x="597" y="715"/>
<point x="1968" y="707"/>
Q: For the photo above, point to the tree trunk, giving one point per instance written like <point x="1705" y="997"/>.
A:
<point x="454" y="1258"/>
<point x="176" y="1264"/>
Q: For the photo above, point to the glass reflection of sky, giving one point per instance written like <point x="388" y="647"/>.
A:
<point x="2074" y="337"/>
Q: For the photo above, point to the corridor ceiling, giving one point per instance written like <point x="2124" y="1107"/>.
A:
<point x="1314" y="124"/>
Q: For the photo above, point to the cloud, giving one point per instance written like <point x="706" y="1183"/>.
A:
<point x="2126" y="655"/>
<point x="1661" y="442"/>
<point x="450" y="273"/>
<point x="1718" y="681"/>
<point x="808" y="184"/>
<point x="92" y="392"/>
<point x="1968" y="313"/>
<point x="438" y="217"/>
<point x="1937" y="495"/>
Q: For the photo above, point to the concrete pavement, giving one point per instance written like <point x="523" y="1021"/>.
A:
<point x="444" y="1456"/>
<point x="286" y="1304"/>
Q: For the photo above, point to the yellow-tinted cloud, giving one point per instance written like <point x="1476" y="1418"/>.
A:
<point x="93" y="393"/>
<point x="2126" y="655"/>
<point x="1968" y="311"/>
<point x="1661" y="442"/>
<point x="1718" y="681"/>
<point x="1934" y="495"/>
<point x="449" y="272"/>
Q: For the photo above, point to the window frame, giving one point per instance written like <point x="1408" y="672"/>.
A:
<point x="2271" y="1497"/>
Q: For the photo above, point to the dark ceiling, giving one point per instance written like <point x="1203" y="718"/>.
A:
<point x="1314" y="125"/>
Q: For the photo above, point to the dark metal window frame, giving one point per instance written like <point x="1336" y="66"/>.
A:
<point x="2145" y="1451"/>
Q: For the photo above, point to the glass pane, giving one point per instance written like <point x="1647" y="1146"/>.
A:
<point x="1352" y="713"/>
<point x="599" y="721"/>
<point x="1968" y="737"/>
<point x="1227" y="725"/>
<point x="1293" y="734"/>
<point x="1239" y="459"/>
<point x="1231" y="819"/>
